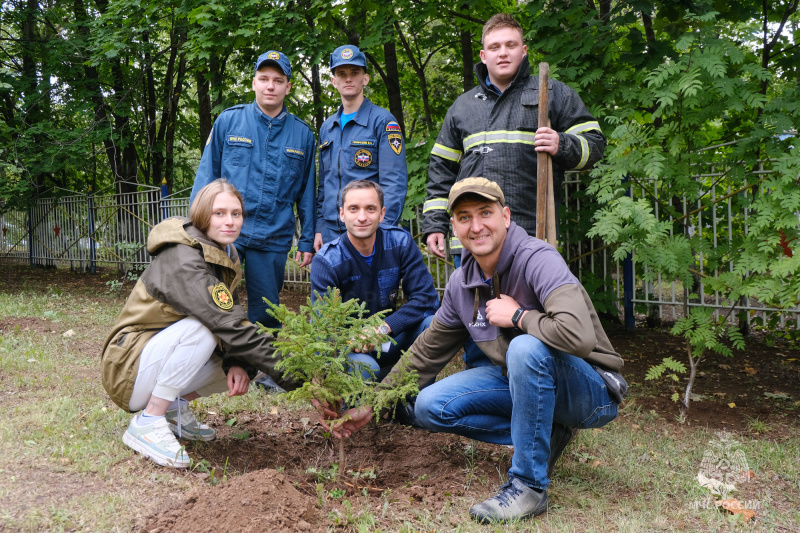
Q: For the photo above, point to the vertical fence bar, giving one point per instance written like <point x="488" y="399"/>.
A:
<point x="164" y="199"/>
<point x="92" y="249"/>
<point x="628" y="280"/>
<point x="30" y="236"/>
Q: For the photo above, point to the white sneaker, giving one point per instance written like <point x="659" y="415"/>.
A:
<point x="157" y="442"/>
<point x="191" y="428"/>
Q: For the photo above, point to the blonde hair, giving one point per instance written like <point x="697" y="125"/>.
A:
<point x="200" y="210"/>
<point x="500" y="20"/>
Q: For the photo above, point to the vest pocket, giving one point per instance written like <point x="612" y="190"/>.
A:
<point x="528" y="117"/>
<point x="238" y="150"/>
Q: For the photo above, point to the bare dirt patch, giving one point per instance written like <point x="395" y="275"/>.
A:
<point x="259" y="501"/>
<point x="26" y="323"/>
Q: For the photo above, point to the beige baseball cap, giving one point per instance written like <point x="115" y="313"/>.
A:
<point x="481" y="186"/>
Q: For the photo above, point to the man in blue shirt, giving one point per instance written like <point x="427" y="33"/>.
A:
<point x="360" y="141"/>
<point x="367" y="263"/>
<point x="268" y="154"/>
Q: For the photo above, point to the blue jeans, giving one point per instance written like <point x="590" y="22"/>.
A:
<point x="381" y="366"/>
<point x="543" y="385"/>
<point x="263" y="275"/>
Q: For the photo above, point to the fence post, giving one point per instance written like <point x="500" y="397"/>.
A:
<point x="628" y="281"/>
<point x="164" y="200"/>
<point x="30" y="237"/>
<point x="92" y="258"/>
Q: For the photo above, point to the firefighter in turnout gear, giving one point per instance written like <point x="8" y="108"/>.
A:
<point x="493" y="131"/>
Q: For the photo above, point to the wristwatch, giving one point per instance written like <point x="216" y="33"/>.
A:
<point x="515" y="318"/>
<point x="383" y="329"/>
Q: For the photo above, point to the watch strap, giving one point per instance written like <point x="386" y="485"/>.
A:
<point x="516" y="316"/>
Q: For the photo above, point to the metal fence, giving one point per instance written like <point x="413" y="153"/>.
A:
<point x="110" y="228"/>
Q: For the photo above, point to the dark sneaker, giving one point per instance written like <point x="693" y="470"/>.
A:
<point x="559" y="439"/>
<point x="513" y="501"/>
<point x="190" y="427"/>
<point x="268" y="384"/>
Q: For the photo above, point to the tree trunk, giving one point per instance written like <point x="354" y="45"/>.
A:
<point x="467" y="60"/>
<point x="392" y="81"/>
<point x="150" y="167"/>
<point x="419" y="70"/>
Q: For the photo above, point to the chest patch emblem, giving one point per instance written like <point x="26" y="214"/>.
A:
<point x="396" y="142"/>
<point x="221" y="296"/>
<point x="363" y="158"/>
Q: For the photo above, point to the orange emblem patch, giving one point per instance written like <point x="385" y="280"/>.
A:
<point x="222" y="296"/>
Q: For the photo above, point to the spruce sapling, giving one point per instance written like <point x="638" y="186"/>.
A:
<point x="313" y="344"/>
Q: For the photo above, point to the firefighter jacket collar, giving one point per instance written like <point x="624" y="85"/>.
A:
<point x="522" y="76"/>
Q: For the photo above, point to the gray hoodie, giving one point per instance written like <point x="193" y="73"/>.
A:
<point x="561" y="314"/>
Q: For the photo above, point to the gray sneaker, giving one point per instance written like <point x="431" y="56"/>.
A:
<point x="513" y="501"/>
<point x="157" y="442"/>
<point x="190" y="427"/>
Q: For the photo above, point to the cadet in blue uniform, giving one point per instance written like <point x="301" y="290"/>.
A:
<point x="267" y="154"/>
<point x="360" y="141"/>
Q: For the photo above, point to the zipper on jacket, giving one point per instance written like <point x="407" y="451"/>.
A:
<point x="339" y="174"/>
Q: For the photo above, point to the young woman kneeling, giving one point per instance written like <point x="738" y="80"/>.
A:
<point x="182" y="333"/>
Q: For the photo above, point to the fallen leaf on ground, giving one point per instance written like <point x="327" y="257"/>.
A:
<point x="750" y="370"/>
<point x="735" y="507"/>
<point x="68" y="333"/>
<point x="714" y="485"/>
<point x="731" y="405"/>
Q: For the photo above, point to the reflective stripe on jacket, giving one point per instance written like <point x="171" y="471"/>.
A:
<point x="489" y="135"/>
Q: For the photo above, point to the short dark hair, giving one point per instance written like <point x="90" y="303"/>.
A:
<point x="500" y="20"/>
<point x="363" y="184"/>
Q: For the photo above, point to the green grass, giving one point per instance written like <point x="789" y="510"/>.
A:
<point x="63" y="466"/>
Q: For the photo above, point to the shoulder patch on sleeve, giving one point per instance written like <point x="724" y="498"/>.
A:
<point x="396" y="142"/>
<point x="221" y="296"/>
<point x="392" y="127"/>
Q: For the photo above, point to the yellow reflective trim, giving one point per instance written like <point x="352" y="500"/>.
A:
<point x="436" y="203"/>
<point x="584" y="152"/>
<point x="584" y="126"/>
<point x="499" y="136"/>
<point x="446" y="153"/>
<point x="455" y="244"/>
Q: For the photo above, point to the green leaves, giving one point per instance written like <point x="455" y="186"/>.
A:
<point x="313" y="344"/>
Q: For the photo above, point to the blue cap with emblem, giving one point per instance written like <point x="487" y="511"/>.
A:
<point x="274" y="59"/>
<point x="348" y="55"/>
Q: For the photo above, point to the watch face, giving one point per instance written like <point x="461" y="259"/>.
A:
<point x="384" y="329"/>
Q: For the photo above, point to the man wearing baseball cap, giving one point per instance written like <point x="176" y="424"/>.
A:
<point x="268" y="155"/>
<point x="360" y="141"/>
<point x="554" y="370"/>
